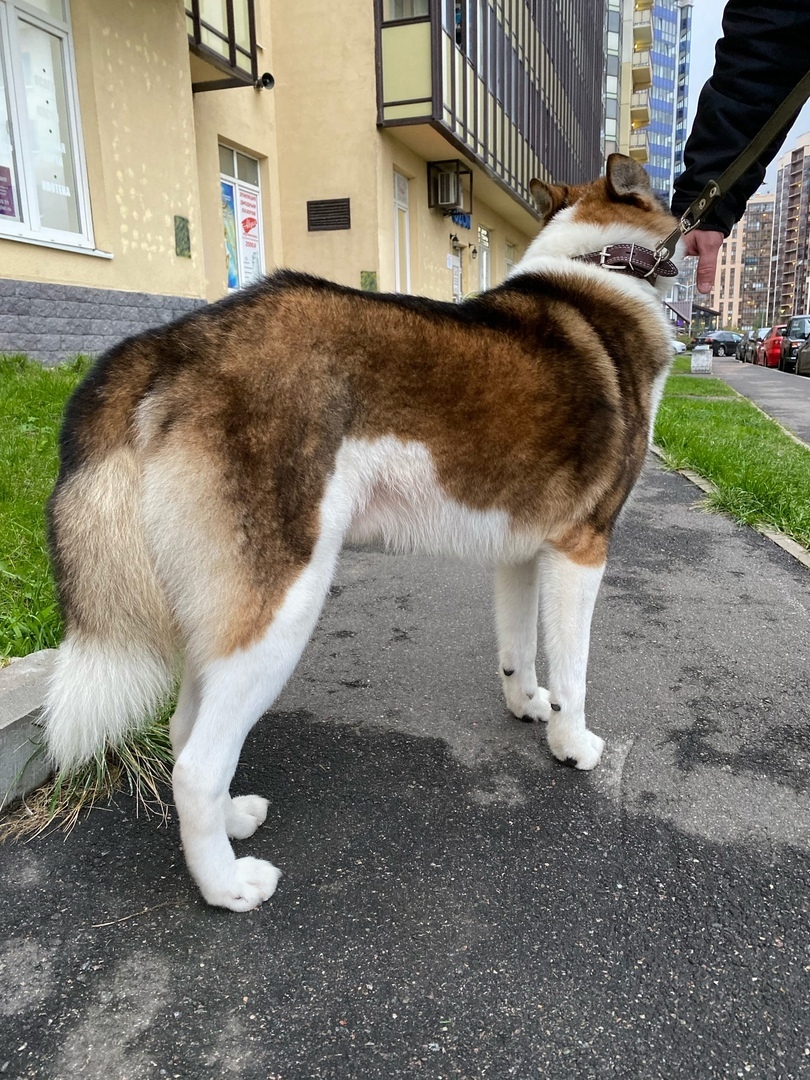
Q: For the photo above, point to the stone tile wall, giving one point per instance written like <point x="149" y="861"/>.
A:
<point x="54" y="322"/>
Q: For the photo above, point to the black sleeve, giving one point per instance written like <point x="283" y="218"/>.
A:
<point x="763" y="54"/>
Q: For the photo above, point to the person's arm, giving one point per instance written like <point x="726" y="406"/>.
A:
<point x="762" y="55"/>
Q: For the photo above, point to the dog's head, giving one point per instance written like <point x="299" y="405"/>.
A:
<point x="623" y="196"/>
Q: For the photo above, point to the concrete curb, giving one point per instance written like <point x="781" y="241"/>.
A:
<point x="22" y="690"/>
<point x="784" y="542"/>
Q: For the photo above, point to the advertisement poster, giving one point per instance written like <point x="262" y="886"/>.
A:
<point x="249" y="237"/>
<point x="231" y="237"/>
<point x="6" y="193"/>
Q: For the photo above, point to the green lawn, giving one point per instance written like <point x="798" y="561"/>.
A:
<point x="31" y="402"/>
<point x="761" y="474"/>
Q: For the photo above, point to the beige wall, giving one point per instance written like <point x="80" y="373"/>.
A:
<point x="245" y="119"/>
<point x="138" y="128"/>
<point x="324" y="66"/>
<point x="151" y="152"/>
<point x="430" y="230"/>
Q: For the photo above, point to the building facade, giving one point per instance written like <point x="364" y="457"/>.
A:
<point x="148" y="164"/>
<point x="671" y="29"/>
<point x="741" y="289"/>
<point x="790" y="291"/>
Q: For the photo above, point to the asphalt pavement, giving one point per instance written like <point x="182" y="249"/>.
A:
<point x="784" y="396"/>
<point x="454" y="903"/>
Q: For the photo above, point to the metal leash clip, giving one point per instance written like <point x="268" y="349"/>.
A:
<point x="689" y="220"/>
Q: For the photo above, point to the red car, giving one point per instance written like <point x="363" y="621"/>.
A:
<point x="770" y="348"/>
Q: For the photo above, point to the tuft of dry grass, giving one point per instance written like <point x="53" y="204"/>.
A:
<point x="141" y="766"/>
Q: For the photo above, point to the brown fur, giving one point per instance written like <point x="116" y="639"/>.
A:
<point x="525" y="398"/>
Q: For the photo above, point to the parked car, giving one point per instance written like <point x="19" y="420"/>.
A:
<point x="797" y="332"/>
<point x="770" y="348"/>
<point x="721" y="342"/>
<point x="803" y="359"/>
<point x="739" y="352"/>
<point x="747" y="349"/>
<point x="678" y="346"/>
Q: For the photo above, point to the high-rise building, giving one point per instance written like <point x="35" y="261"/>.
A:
<point x="740" y="292"/>
<point x="790" y="293"/>
<point x="647" y="42"/>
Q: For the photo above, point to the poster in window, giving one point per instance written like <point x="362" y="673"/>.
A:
<point x="231" y="238"/>
<point x="6" y="193"/>
<point x="250" y="241"/>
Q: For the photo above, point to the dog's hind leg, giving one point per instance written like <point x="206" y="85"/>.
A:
<point x="243" y="814"/>
<point x="517" y="589"/>
<point x="568" y="594"/>
<point x="234" y="692"/>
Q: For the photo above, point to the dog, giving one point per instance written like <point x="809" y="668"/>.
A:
<point x="212" y="469"/>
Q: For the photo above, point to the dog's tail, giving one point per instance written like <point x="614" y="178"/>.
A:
<point x="117" y="661"/>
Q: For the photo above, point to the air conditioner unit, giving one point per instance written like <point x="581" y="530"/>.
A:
<point x="448" y="195"/>
<point x="449" y="186"/>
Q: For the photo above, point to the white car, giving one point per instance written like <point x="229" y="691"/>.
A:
<point x="678" y="347"/>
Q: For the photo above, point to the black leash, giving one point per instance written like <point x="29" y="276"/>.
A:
<point x="716" y="189"/>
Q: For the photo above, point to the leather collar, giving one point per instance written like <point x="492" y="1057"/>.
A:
<point x="631" y="259"/>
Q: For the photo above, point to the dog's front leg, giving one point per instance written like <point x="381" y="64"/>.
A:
<point x="516" y="598"/>
<point x="568" y="596"/>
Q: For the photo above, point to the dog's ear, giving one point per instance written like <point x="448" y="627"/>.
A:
<point x="548" y="198"/>
<point x="626" y="180"/>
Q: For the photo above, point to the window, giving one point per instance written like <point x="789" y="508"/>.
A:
<point x="241" y="217"/>
<point x="43" y="188"/>
<point x="402" y="235"/>
<point x="511" y="258"/>
<point x="396" y="10"/>
<point x="483" y="259"/>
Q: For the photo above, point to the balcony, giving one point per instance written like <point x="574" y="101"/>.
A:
<point x="639" y="147"/>
<point x="222" y="41"/>
<point x="642" y="29"/>
<point x="643" y="5"/>
<point x="642" y="70"/>
<point x="640" y="109"/>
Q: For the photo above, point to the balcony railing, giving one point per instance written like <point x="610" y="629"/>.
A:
<point x="641" y="67"/>
<point x="642" y="29"/>
<point x="640" y="108"/>
<point x="639" y="146"/>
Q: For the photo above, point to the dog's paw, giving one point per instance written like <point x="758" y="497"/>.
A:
<point x="252" y="882"/>
<point x="244" y="814"/>
<point x="529" y="708"/>
<point x="582" y="749"/>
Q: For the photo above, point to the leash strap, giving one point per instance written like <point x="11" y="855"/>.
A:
<point x="715" y="189"/>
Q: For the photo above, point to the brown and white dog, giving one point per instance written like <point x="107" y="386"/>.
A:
<point x="212" y="470"/>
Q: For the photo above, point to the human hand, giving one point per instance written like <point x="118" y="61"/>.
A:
<point x="705" y="243"/>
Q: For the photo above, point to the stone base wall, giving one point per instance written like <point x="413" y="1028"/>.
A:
<point x="51" y="323"/>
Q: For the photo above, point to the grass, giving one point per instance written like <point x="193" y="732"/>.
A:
<point x="761" y="475"/>
<point x="32" y="399"/>
<point x="31" y="402"/>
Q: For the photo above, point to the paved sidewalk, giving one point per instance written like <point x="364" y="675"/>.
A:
<point x="783" y="396"/>
<point x="454" y="903"/>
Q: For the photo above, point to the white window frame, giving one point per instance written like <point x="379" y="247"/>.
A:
<point x="402" y="181"/>
<point x="30" y="229"/>
<point x="484" y="262"/>
<point x="253" y="189"/>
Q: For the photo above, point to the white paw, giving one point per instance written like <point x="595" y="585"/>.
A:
<point x="244" y="815"/>
<point x="583" y="748"/>
<point x="253" y="881"/>
<point x="525" y="707"/>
